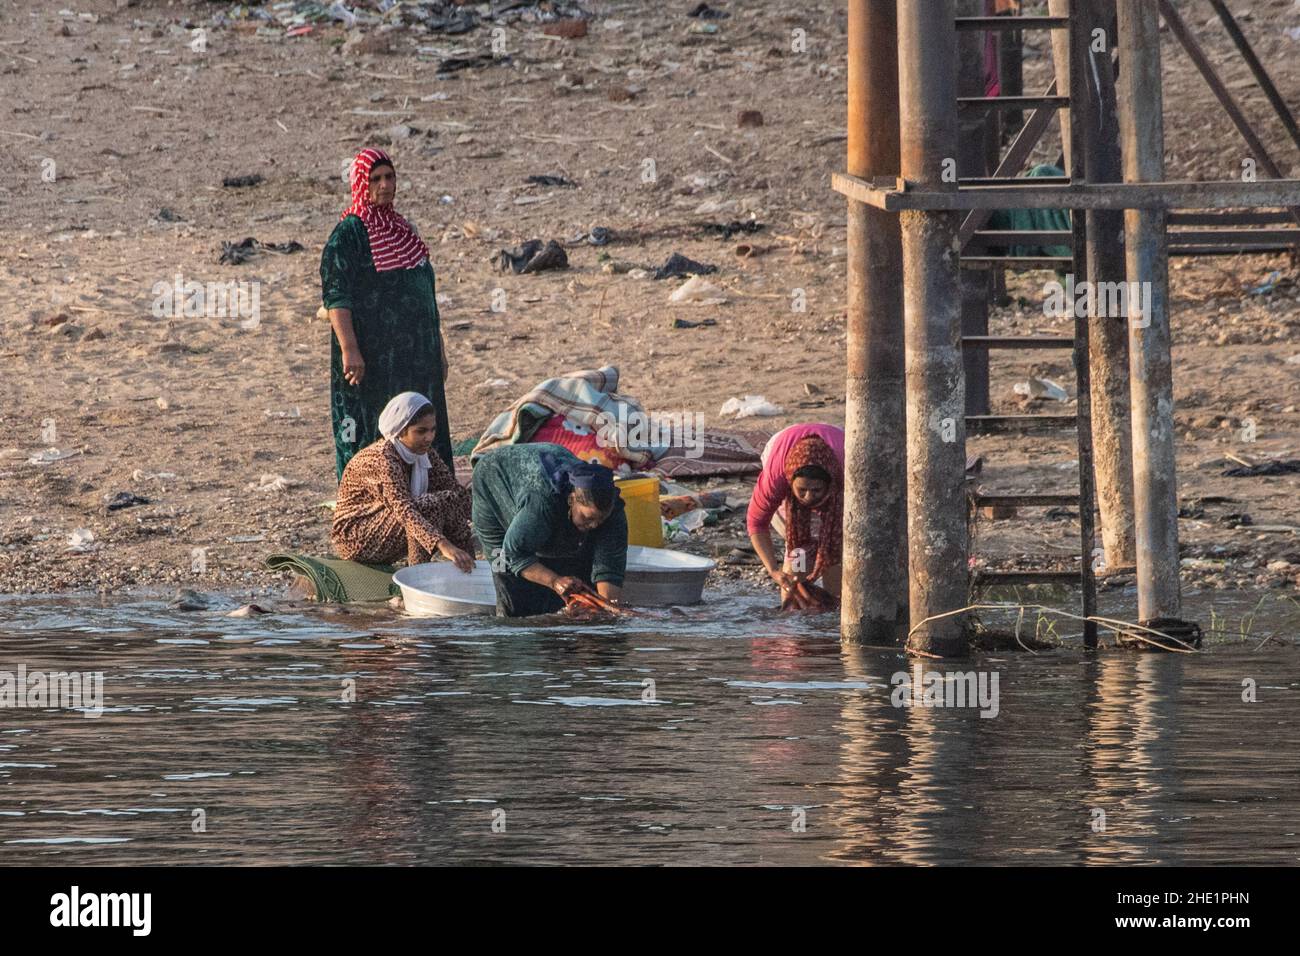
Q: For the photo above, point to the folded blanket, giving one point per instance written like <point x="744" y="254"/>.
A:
<point x="342" y="582"/>
<point x="586" y="397"/>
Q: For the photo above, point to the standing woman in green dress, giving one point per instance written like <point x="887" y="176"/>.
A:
<point x="378" y="286"/>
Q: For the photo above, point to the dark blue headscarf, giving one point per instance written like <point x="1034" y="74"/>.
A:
<point x="566" y="475"/>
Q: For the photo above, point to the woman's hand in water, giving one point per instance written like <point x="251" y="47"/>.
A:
<point x="563" y="586"/>
<point x="456" y="556"/>
<point x="784" y="579"/>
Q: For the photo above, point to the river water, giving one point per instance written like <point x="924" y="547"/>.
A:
<point x="718" y="734"/>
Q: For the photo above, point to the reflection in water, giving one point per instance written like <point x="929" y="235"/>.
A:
<point x="718" y="734"/>
<point x="1131" y="706"/>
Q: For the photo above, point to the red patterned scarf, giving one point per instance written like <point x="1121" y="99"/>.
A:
<point x="394" y="243"/>
<point x="813" y="451"/>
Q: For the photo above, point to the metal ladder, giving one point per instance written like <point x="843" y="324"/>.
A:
<point x="1044" y="107"/>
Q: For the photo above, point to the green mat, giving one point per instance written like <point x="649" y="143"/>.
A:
<point x="463" y="447"/>
<point x="342" y="582"/>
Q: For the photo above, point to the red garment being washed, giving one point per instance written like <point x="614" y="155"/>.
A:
<point x="814" y="451"/>
<point x="394" y="243"/>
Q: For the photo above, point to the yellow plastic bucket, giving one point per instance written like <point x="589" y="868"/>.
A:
<point x="641" y="502"/>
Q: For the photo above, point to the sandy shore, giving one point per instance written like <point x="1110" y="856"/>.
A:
<point x="139" y="131"/>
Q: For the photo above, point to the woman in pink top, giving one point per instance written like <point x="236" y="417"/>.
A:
<point x="800" y="491"/>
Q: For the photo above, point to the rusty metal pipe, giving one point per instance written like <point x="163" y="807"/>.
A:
<point x="938" y="546"/>
<point x="875" y="476"/>
<point x="1155" y="494"/>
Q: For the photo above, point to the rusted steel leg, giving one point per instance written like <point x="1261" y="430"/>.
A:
<point x="1150" y="369"/>
<point x="936" y="431"/>
<point x="875" y="496"/>
<point x="1107" y="333"/>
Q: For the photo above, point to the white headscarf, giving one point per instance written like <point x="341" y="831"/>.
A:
<point x="397" y="414"/>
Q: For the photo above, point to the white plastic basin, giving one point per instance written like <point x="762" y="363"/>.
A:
<point x="440" y="589"/>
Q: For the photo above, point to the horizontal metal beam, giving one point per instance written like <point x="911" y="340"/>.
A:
<point x="1012" y="23"/>
<point x="1244" y="237"/>
<point x="1167" y="195"/>
<point x="1020" y="181"/>
<point x="1258" y="218"/>
<point x="1185" y="252"/>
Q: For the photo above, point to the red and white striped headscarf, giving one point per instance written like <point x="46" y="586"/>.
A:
<point x="394" y="243"/>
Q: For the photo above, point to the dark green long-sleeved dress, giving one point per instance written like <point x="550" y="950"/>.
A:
<point x="521" y="518"/>
<point x="395" y="316"/>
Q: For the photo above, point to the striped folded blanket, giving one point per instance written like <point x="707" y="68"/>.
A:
<point x="587" y="397"/>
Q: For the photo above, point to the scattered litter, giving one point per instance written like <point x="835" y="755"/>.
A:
<point x="531" y="257"/>
<point x="1268" y="285"/>
<point x="698" y="291"/>
<point x="676" y="505"/>
<point x="750" y="406"/>
<point x="567" y="29"/>
<point x="728" y="229"/>
<point x="50" y="455"/>
<point x="241" y="182"/>
<point x="1281" y="466"/>
<point x="245" y="538"/>
<point x="598" y="236"/>
<point x="272" y="483"/>
<point x="280" y="413"/>
<point x="123" y="499"/>
<point x="454" y="64"/>
<point x="495" y="383"/>
<point x="1041" y="388"/>
<point x="83" y="539"/>
<point x="139" y="475"/>
<point x="680" y="265"/>
<point x="705" y="12"/>
<point x="234" y="253"/>
<point x="559" y="181"/>
<point x="166" y="214"/>
<point x="688" y="324"/>
<point x="161" y="403"/>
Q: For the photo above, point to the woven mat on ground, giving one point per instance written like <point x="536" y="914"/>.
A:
<point x="724" y="453"/>
<point x="343" y="582"/>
